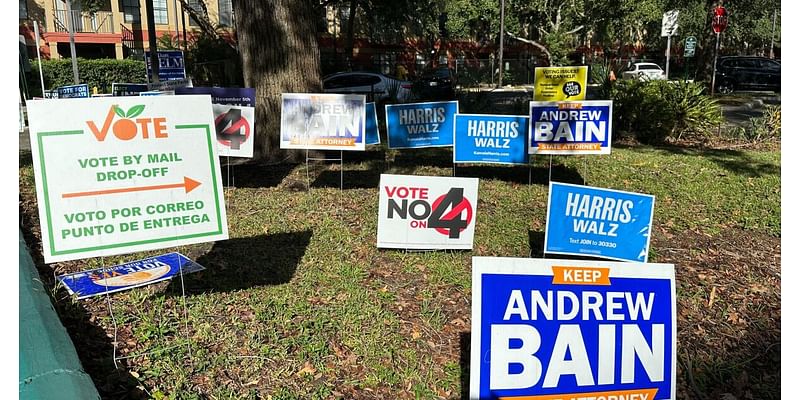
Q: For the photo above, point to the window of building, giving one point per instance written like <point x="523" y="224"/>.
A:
<point x="226" y="12"/>
<point x="194" y="5"/>
<point x="160" y="12"/>
<point x="130" y="10"/>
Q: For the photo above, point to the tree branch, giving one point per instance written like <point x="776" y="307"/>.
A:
<point x="532" y="42"/>
<point x="574" y="30"/>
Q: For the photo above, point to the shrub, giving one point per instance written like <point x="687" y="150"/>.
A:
<point x="96" y="73"/>
<point x="655" y="110"/>
<point x="765" y="127"/>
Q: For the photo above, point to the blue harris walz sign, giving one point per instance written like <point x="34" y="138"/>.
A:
<point x="417" y="125"/>
<point x="493" y="139"/>
<point x="127" y="276"/>
<point x="589" y="221"/>
<point x="73" y="91"/>
<point x="567" y="329"/>
<point x="570" y="127"/>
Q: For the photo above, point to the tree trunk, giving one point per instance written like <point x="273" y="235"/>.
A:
<point x="278" y="45"/>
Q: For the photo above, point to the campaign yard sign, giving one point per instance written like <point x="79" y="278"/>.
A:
<point x="492" y="139"/>
<point x="547" y="329"/>
<point x="117" y="175"/>
<point x="73" y="91"/>
<point x="416" y="125"/>
<point x="323" y="121"/>
<point x="170" y="65"/>
<point x="560" y="83"/>
<point x="373" y="136"/>
<point x="590" y="221"/>
<point x="234" y="118"/>
<point x="570" y="127"/>
<point x="127" y="276"/>
<point x="127" y="89"/>
<point x="427" y="212"/>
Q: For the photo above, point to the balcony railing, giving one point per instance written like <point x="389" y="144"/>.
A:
<point x="83" y="22"/>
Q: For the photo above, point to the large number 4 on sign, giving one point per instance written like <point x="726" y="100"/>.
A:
<point x="451" y="223"/>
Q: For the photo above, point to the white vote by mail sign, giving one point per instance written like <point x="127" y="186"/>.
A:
<point x="117" y="175"/>
<point x="427" y="212"/>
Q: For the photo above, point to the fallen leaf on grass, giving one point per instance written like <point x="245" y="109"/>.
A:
<point x="307" y="369"/>
<point x="712" y="296"/>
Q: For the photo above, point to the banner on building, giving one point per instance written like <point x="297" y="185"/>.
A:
<point x="416" y="125"/>
<point x="570" y="127"/>
<point x="491" y="139"/>
<point x="426" y="212"/>
<point x="319" y="121"/>
<point x="128" y="276"/>
<point x="566" y="329"/>
<point x="560" y="83"/>
<point x="590" y="221"/>
<point x="117" y="175"/>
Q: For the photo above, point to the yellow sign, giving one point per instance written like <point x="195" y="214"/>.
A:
<point x="560" y="83"/>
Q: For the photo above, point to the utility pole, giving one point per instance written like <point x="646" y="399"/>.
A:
<point x="151" y="35"/>
<point x="71" y="28"/>
<point x="772" y="41"/>
<point x="502" y="29"/>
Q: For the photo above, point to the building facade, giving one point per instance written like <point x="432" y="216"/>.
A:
<point x="117" y="29"/>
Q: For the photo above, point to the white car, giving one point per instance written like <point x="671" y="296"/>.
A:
<point x="377" y="87"/>
<point x="644" y="71"/>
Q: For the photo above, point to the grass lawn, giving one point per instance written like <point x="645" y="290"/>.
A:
<point x="300" y="304"/>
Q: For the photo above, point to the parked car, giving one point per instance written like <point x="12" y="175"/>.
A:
<point x="436" y="84"/>
<point x="747" y="73"/>
<point x="643" y="71"/>
<point x="378" y="87"/>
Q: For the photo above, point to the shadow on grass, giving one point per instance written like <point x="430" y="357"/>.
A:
<point x="243" y="263"/>
<point x="92" y="344"/>
<point x="254" y="175"/>
<point x="358" y="179"/>
<point x="25" y="158"/>
<point x="465" y="339"/>
<point x="521" y="174"/>
<point x="735" y="161"/>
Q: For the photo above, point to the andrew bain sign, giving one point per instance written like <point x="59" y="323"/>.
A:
<point x="427" y="212"/>
<point x="570" y="127"/>
<point x="420" y="124"/>
<point x="494" y="139"/>
<point x="73" y="92"/>
<point x="323" y="121"/>
<point x="117" y="175"/>
<point x="373" y="136"/>
<point x="546" y="329"/>
<point x="589" y="221"/>
<point x="234" y="118"/>
<point x="127" y="276"/>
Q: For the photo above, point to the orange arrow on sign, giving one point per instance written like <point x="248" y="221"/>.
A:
<point x="188" y="185"/>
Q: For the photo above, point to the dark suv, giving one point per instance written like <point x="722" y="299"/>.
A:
<point x="436" y="84"/>
<point x="747" y="73"/>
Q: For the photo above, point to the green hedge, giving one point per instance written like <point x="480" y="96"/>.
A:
<point x="96" y="73"/>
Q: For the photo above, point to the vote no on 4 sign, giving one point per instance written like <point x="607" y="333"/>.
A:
<point x="124" y="174"/>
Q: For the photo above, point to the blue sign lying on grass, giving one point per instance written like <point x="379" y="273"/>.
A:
<point x="492" y="139"/>
<point x="373" y="137"/>
<point x="589" y="221"/>
<point x="129" y="275"/>
<point x="571" y="330"/>
<point x="420" y="124"/>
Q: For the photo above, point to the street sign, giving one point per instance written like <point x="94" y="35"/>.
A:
<point x="719" y="19"/>
<point x="669" y="23"/>
<point x="118" y="175"/>
<point x="689" y="46"/>
<point x="170" y="65"/>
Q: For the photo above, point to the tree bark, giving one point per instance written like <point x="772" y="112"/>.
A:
<point x="278" y="45"/>
<point x="351" y="31"/>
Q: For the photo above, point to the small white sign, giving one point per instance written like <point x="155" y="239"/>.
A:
<point x="427" y="212"/>
<point x="669" y="23"/>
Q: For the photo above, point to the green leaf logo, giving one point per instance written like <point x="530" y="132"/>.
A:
<point x="135" y="111"/>
<point x="119" y="111"/>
